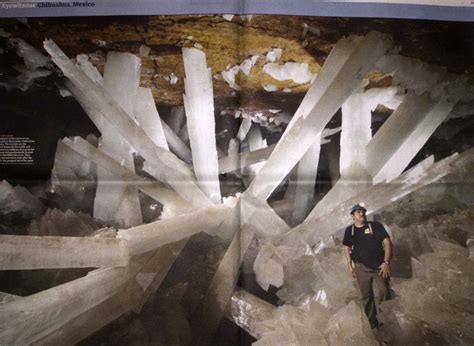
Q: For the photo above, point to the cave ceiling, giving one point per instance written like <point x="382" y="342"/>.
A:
<point x="229" y="42"/>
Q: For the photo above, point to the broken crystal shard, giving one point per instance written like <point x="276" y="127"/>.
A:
<point x="313" y="228"/>
<point x="229" y="76"/>
<point x="199" y="105"/>
<point x="103" y="110"/>
<point x="274" y="54"/>
<point x="206" y="319"/>
<point x="233" y="150"/>
<point x="159" y="233"/>
<point x="30" y="252"/>
<point x="117" y="203"/>
<point x="247" y="310"/>
<point x="173" y="204"/>
<point x="18" y="200"/>
<point x="306" y="180"/>
<point x="298" y="73"/>
<point x="32" y="58"/>
<point x="256" y="142"/>
<point x="403" y="135"/>
<point x="267" y="270"/>
<point x="270" y="87"/>
<point x="64" y="93"/>
<point x="244" y="129"/>
<point x="147" y="116"/>
<point x="340" y="76"/>
<point x="234" y="162"/>
<point x="247" y="64"/>
<point x="349" y="326"/>
<point x="144" y="51"/>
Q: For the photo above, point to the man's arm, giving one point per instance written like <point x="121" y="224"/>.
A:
<point x="385" y="266"/>
<point x="348" y="251"/>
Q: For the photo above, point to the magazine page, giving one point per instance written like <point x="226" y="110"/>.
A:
<point x="236" y="172"/>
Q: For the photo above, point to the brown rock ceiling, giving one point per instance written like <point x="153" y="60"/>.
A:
<point x="227" y="43"/>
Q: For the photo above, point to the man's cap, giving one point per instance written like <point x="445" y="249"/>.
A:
<point x="356" y="207"/>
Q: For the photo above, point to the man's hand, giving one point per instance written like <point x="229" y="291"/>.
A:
<point x="352" y="271"/>
<point x="384" y="270"/>
<point x="348" y="252"/>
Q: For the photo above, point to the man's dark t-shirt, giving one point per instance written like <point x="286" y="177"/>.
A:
<point x="367" y="246"/>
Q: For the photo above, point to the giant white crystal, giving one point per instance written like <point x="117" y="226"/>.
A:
<point x="340" y="76"/>
<point x="121" y="80"/>
<point x="30" y="252"/>
<point x="102" y="109"/>
<point x="404" y="134"/>
<point x="173" y="204"/>
<point x="315" y="228"/>
<point x="199" y="105"/>
<point x="356" y="134"/>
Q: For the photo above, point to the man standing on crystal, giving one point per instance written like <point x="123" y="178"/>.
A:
<point x="368" y="251"/>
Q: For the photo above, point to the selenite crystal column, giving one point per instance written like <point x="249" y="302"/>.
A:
<point x="199" y="106"/>
<point x="346" y="66"/>
<point x="403" y="134"/>
<point x="114" y="202"/>
<point x="104" y="111"/>
<point x="356" y="134"/>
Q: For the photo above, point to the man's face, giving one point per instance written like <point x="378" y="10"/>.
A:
<point x="359" y="216"/>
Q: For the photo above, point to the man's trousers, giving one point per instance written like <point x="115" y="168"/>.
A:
<point x="367" y="278"/>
